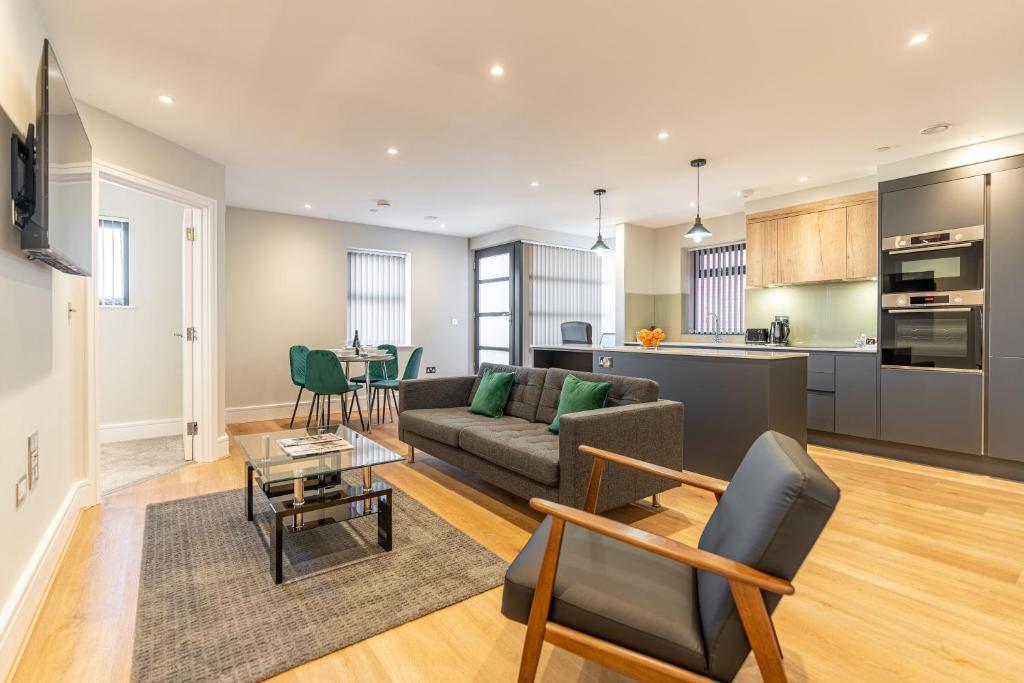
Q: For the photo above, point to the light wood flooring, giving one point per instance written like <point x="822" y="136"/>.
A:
<point x="918" y="577"/>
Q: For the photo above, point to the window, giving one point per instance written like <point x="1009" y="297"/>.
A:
<point x="564" y="284"/>
<point x="112" y="281"/>
<point x="717" y="275"/>
<point x="378" y="296"/>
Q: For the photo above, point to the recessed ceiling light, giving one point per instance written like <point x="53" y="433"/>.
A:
<point x="442" y="225"/>
<point x="166" y="99"/>
<point x="497" y="70"/>
<point x="307" y="206"/>
<point x="693" y="203"/>
<point x="430" y="218"/>
<point x="663" y="135"/>
<point x="883" y="148"/>
<point x="937" y="128"/>
<point x="976" y="138"/>
<point x="919" y="38"/>
<point x="535" y="183"/>
<point x="392" y="151"/>
<point x="804" y="179"/>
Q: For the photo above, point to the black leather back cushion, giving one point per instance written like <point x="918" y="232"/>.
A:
<point x="770" y="516"/>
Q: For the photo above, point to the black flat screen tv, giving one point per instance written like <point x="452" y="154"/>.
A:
<point x="59" y="230"/>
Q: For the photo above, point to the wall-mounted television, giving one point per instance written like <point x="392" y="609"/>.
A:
<point x="51" y="177"/>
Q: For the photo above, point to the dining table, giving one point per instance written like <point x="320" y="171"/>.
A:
<point x="347" y="358"/>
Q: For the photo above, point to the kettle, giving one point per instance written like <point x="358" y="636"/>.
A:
<point x="778" y="330"/>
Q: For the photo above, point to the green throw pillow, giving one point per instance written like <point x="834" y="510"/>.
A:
<point x="493" y="392"/>
<point x="579" y="395"/>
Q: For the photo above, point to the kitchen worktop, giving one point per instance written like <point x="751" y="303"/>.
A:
<point x="734" y="351"/>
<point x="766" y="347"/>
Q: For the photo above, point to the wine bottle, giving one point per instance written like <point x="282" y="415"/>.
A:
<point x="355" y="342"/>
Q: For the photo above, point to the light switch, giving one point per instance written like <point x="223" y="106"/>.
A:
<point x="33" y="460"/>
<point x="20" y="491"/>
<point x="455" y="321"/>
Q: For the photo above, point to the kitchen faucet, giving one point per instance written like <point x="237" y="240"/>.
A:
<point x="717" y="329"/>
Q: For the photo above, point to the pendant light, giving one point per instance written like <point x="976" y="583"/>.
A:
<point x="599" y="245"/>
<point x="698" y="232"/>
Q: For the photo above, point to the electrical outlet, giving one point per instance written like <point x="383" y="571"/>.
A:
<point x="20" y="491"/>
<point x="431" y="370"/>
<point x="33" y="460"/>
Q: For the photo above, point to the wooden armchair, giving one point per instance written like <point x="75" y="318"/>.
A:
<point x="657" y="609"/>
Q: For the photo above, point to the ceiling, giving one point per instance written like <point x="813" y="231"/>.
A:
<point x="300" y="100"/>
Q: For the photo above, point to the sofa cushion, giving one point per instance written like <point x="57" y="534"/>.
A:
<point x="525" y="390"/>
<point x="445" y="424"/>
<point x="492" y="393"/>
<point x="526" y="448"/>
<point x="611" y="590"/>
<point x="579" y="395"/>
<point x="624" y="391"/>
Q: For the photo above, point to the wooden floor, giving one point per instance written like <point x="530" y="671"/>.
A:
<point x="918" y="577"/>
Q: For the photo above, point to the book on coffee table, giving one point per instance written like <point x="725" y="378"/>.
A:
<point x="316" y="444"/>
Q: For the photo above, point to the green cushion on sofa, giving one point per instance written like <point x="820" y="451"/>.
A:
<point x="578" y="395"/>
<point x="492" y="394"/>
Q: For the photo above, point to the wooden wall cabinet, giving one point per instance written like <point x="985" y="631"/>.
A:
<point x="836" y="239"/>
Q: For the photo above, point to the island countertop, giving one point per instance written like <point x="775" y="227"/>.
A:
<point x="675" y="351"/>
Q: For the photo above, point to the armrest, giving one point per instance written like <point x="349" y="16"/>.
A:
<point x="701" y="481"/>
<point x="666" y="547"/>
<point x="436" y="392"/>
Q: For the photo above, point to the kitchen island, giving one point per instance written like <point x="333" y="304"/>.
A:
<point x="729" y="396"/>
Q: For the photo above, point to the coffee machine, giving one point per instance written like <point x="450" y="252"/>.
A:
<point x="778" y="331"/>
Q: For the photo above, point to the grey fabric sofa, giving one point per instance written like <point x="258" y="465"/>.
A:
<point x="516" y="452"/>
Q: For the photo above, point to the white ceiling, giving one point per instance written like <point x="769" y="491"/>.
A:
<point x="300" y="99"/>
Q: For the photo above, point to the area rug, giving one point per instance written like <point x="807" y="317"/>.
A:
<point x="124" y="463"/>
<point x="209" y="610"/>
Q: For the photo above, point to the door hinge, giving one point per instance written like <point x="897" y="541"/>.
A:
<point x="191" y="334"/>
<point x="190" y="234"/>
<point x="192" y="428"/>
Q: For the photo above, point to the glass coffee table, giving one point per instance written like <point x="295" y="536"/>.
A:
<point x="310" y="490"/>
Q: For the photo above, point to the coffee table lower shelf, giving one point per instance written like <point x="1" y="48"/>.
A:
<point x="316" y="501"/>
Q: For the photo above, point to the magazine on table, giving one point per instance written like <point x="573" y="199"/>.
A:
<point x="316" y="444"/>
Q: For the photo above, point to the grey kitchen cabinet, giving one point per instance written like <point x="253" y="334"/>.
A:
<point x="821" y="411"/>
<point x="856" y="403"/>
<point x="932" y="408"/>
<point x="1006" y="276"/>
<point x="940" y="206"/>
<point x="1006" y="408"/>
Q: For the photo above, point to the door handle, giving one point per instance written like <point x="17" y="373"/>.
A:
<point x="179" y="334"/>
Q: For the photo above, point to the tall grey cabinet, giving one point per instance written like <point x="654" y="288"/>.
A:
<point x="1005" y="400"/>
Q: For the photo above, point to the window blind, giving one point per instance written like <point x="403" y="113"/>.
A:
<point x="717" y="276"/>
<point x="378" y="305"/>
<point x="564" y="284"/>
<point x="112" y="259"/>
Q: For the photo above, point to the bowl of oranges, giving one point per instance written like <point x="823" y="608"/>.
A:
<point x="650" y="337"/>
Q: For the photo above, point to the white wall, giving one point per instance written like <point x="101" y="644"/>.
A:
<point x="42" y="369"/>
<point x="138" y="357"/>
<point x="286" y="284"/>
<point x="118" y="142"/>
<point x="950" y="158"/>
<point x="813" y="194"/>
<point x="523" y="232"/>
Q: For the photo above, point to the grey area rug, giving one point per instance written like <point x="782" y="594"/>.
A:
<point x="209" y="610"/>
<point x="128" y="462"/>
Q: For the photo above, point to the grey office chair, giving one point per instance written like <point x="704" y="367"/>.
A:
<point x="577" y="332"/>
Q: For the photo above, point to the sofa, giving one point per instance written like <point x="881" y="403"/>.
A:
<point x="518" y="453"/>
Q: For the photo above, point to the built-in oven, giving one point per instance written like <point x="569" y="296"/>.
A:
<point x="933" y="331"/>
<point x="945" y="261"/>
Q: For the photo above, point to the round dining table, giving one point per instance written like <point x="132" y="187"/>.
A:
<point x="347" y="358"/>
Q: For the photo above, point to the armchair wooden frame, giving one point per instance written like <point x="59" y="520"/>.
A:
<point x="745" y="583"/>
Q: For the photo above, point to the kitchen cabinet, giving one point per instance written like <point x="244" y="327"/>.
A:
<point x="932" y="408"/>
<point x="1005" y="398"/>
<point x="826" y="241"/>
<point x="862" y="241"/>
<point x="762" y="253"/>
<point x="940" y="206"/>
<point x="856" y="404"/>
<point x="821" y="411"/>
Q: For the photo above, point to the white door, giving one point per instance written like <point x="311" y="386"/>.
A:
<point x="190" y="227"/>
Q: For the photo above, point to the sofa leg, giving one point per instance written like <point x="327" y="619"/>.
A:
<point x="412" y="454"/>
<point x="655" y="502"/>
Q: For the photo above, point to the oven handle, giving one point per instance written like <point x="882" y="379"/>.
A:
<point x="917" y="250"/>
<point x="927" y="308"/>
<point x="966" y="371"/>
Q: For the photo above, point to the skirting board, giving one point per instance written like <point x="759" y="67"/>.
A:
<point x="277" y="411"/>
<point x="18" y="614"/>
<point x="146" y="429"/>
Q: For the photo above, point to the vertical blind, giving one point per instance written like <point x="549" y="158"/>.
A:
<point x="112" y="259"/>
<point x="378" y="305"/>
<point x="564" y="284"/>
<point x="717" y="275"/>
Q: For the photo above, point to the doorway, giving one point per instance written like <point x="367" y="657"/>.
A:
<point x="496" y="296"/>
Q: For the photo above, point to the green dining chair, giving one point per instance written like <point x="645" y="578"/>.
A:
<point x="390" y="386"/>
<point x="379" y="370"/>
<point x="326" y="378"/>
<point x="297" y="360"/>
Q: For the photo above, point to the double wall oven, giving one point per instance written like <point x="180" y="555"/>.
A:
<point x="933" y="300"/>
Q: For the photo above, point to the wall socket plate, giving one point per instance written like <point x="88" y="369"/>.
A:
<point x="20" y="491"/>
<point x="33" y="460"/>
<point x="431" y="370"/>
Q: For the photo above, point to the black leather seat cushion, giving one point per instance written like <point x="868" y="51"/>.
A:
<point x="614" y="591"/>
